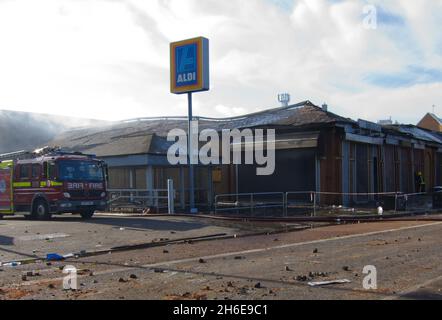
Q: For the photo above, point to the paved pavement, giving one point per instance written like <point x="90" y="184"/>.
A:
<point x="407" y="256"/>
<point x="21" y="239"/>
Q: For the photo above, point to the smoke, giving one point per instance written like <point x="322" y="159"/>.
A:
<point x="29" y="131"/>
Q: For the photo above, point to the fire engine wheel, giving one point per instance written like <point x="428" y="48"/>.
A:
<point x="87" y="215"/>
<point x="41" y="210"/>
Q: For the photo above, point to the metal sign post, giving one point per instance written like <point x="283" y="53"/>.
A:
<point x="189" y="157"/>
<point x="189" y="72"/>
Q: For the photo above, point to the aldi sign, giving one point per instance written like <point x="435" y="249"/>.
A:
<point x="189" y="66"/>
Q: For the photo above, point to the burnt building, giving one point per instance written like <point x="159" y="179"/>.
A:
<point x="316" y="150"/>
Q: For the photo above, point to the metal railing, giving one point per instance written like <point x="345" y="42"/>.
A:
<point x="299" y="203"/>
<point x="138" y="199"/>
<point x="312" y="203"/>
<point x="156" y="199"/>
<point x="256" y="203"/>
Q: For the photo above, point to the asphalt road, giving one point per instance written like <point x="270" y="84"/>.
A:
<point x="406" y="255"/>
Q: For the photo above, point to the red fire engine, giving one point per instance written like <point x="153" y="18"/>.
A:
<point x="49" y="181"/>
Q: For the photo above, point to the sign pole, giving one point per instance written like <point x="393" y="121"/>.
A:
<point x="190" y="156"/>
<point x="189" y="70"/>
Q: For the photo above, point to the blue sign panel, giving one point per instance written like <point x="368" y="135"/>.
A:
<point x="189" y="66"/>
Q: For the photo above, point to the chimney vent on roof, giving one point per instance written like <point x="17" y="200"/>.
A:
<point x="284" y="99"/>
<point x="325" y="107"/>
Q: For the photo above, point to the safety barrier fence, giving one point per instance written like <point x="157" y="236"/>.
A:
<point x="137" y="199"/>
<point x="309" y="203"/>
<point x="315" y="204"/>
<point x="154" y="201"/>
<point x="254" y="204"/>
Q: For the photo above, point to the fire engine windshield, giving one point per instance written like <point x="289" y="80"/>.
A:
<point x="80" y="171"/>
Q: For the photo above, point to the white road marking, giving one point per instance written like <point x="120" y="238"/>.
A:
<point x="43" y="237"/>
<point x="291" y="245"/>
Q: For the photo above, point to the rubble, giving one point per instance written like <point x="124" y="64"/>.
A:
<point x="302" y="278"/>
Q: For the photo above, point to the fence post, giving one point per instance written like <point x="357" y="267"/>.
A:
<point x="170" y="196"/>
<point x="314" y="204"/>
<point x="251" y="204"/>
<point x="156" y="200"/>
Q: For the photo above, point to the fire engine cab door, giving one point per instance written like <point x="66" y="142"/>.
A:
<point x="6" y="196"/>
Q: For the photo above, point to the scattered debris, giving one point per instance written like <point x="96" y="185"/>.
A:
<point x="54" y="257"/>
<point x="133" y="276"/>
<point x="258" y="285"/>
<point x="239" y="258"/>
<point x="202" y="261"/>
<point x="326" y="283"/>
<point x="121" y="280"/>
<point x="243" y="290"/>
<point x="158" y="270"/>
<point x="287" y="268"/>
<point x="12" y="264"/>
<point x="346" y="268"/>
<point x="165" y="251"/>
<point x="316" y="251"/>
<point x="318" y="274"/>
<point x="302" y="278"/>
<point x="51" y="286"/>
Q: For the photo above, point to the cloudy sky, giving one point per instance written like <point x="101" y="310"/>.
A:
<point x="110" y="59"/>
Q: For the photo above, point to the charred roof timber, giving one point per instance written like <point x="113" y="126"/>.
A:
<point x="148" y="135"/>
<point x="46" y="151"/>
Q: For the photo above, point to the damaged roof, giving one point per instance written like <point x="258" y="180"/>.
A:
<point x="414" y="132"/>
<point x="141" y="136"/>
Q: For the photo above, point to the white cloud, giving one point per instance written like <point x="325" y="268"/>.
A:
<point x="109" y="59"/>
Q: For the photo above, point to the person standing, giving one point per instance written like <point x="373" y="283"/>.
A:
<point x="420" y="183"/>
